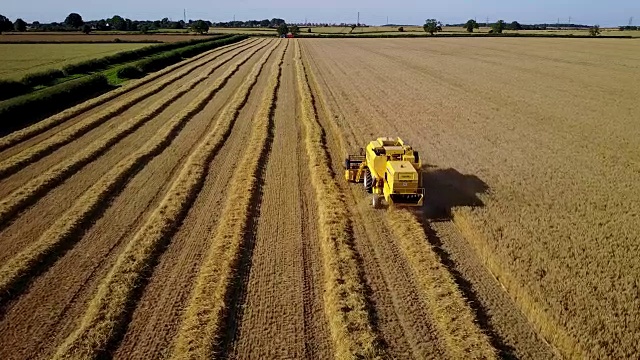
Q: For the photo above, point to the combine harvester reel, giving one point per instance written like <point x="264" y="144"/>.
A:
<point x="390" y="171"/>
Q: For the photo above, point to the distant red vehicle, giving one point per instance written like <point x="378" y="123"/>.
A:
<point x="290" y="36"/>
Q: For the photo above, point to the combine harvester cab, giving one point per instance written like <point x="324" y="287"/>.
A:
<point x="390" y="170"/>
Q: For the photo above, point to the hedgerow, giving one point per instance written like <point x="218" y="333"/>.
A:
<point x="17" y="111"/>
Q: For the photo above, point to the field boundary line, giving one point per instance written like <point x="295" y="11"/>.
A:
<point x="345" y="300"/>
<point x="207" y="307"/>
<point x="23" y="196"/>
<point x="553" y="333"/>
<point x="50" y="122"/>
<point x="115" y="297"/>
<point x="18" y="269"/>
<point x="460" y="331"/>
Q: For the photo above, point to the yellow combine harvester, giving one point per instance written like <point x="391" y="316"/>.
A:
<point x="389" y="170"/>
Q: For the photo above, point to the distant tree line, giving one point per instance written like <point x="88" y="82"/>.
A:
<point x="517" y="26"/>
<point x="351" y="25"/>
<point x="74" y="22"/>
<point x="266" y="23"/>
<point x="433" y="26"/>
<point x="117" y="23"/>
<point x="7" y="25"/>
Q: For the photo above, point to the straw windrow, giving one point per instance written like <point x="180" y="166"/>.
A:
<point x="109" y="307"/>
<point x="24" y="195"/>
<point x="20" y="267"/>
<point x="344" y="299"/>
<point x="205" y="314"/>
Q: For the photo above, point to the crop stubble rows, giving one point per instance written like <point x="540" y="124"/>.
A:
<point x="13" y="271"/>
<point x="280" y="312"/>
<point x="205" y="313"/>
<point x="164" y="299"/>
<point x="15" y="201"/>
<point x="99" y="237"/>
<point x="108" y="308"/>
<point x="46" y="211"/>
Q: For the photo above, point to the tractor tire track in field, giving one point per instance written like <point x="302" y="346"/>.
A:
<point x="66" y="136"/>
<point x="22" y="197"/>
<point x="82" y="268"/>
<point x="46" y="124"/>
<point x="108" y="311"/>
<point x="18" y="269"/>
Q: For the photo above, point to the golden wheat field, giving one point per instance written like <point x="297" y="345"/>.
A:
<point x="201" y="211"/>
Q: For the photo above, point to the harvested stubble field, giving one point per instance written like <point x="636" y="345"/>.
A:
<point x="203" y="213"/>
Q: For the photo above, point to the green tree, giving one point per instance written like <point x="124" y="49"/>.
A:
<point x="294" y="29"/>
<point x="118" y="23"/>
<point x="265" y="23"/>
<point x="5" y="24"/>
<point x="470" y="25"/>
<point x="20" y="25"/>
<point x="594" y="30"/>
<point x="74" y="20"/>
<point x="401" y="29"/>
<point x="515" y="26"/>
<point x="102" y="25"/>
<point x="131" y="26"/>
<point x="200" y="27"/>
<point x="498" y="27"/>
<point x="86" y="28"/>
<point x="283" y="29"/>
<point x="276" y="22"/>
<point x="144" y="29"/>
<point x="432" y="26"/>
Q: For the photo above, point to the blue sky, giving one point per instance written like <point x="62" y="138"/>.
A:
<point x="605" y="13"/>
